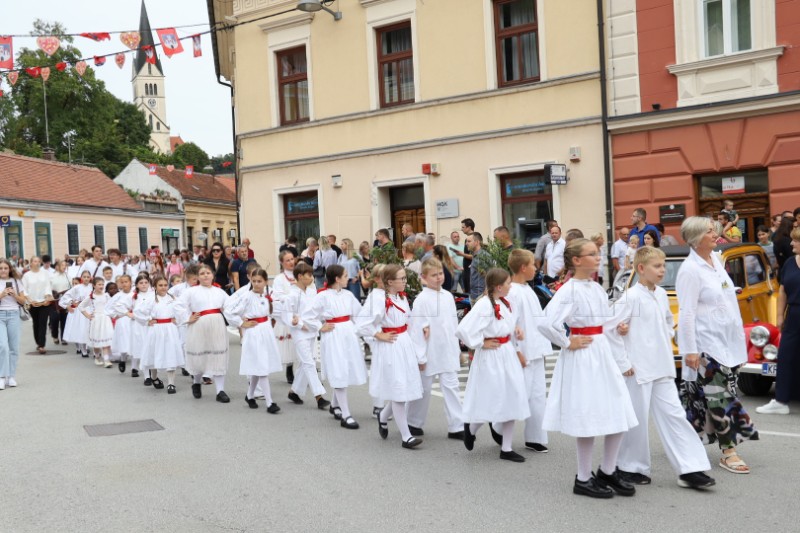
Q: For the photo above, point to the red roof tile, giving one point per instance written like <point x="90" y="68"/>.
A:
<point x="228" y="181"/>
<point x="198" y="187"/>
<point x="174" y="142"/>
<point x="38" y="180"/>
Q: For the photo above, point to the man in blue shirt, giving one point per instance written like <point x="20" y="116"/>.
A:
<point x="239" y="268"/>
<point x="639" y="225"/>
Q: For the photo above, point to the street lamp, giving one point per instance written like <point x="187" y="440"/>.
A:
<point x="311" y="6"/>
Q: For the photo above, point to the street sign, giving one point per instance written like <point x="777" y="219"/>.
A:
<point x="556" y="174"/>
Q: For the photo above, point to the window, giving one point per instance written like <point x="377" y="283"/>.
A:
<point x="293" y="85"/>
<point x="516" y="42"/>
<point x="73" y="244"/>
<point x="43" y="242"/>
<point x="726" y="26"/>
<point x="158" y="126"/>
<point x="190" y="237"/>
<point x="13" y="238"/>
<point x="149" y="69"/>
<point x="99" y="236"/>
<point x="527" y="201"/>
<point x="151" y="121"/>
<point x="147" y="89"/>
<point x="155" y="89"/>
<point x="735" y="269"/>
<point x="395" y="64"/>
<point x="756" y="273"/>
<point x="142" y="240"/>
<point x="301" y="215"/>
<point x="122" y="239"/>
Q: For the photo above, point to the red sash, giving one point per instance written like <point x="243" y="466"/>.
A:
<point x="210" y="312"/>
<point x="401" y="329"/>
<point x="338" y="319"/>
<point x="593" y="330"/>
<point x="501" y="340"/>
<point x="163" y="320"/>
<point x="259" y="319"/>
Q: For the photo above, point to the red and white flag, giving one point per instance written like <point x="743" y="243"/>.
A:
<point x="169" y="41"/>
<point x="6" y="52"/>
<point x="149" y="54"/>
<point x="152" y="170"/>
<point x="189" y="171"/>
<point x="196" y="47"/>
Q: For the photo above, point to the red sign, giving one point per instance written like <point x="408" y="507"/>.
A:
<point x="189" y="171"/>
<point x="6" y="53"/>
<point x="169" y="41"/>
<point x="152" y="170"/>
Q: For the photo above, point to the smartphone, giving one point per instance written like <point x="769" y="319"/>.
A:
<point x="8" y="284"/>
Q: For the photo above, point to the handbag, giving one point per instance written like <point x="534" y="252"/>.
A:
<point x="24" y="314"/>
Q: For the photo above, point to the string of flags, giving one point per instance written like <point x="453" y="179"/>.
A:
<point x="188" y="172"/>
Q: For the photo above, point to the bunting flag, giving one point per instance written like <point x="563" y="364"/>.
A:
<point x="48" y="44"/>
<point x="80" y="66"/>
<point x="33" y="72"/>
<point x="102" y="36"/>
<point x="119" y="59"/>
<point x="189" y="171"/>
<point x="152" y="170"/>
<point x="226" y="164"/>
<point x="6" y="52"/>
<point x="170" y="168"/>
<point x="131" y="39"/>
<point x="12" y="77"/>
<point x="198" y="50"/>
<point x="61" y="66"/>
<point x="1" y="93"/>
<point x="170" y="42"/>
<point x="149" y="54"/>
<point x="99" y="61"/>
<point x="45" y="71"/>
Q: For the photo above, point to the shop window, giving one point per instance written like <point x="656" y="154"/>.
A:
<point x="516" y="42"/>
<point x="301" y="216"/>
<point x="293" y="85"/>
<point x="395" y="64"/>
<point x="527" y="201"/>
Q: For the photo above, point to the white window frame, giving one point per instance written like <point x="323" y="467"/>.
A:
<point x="727" y="28"/>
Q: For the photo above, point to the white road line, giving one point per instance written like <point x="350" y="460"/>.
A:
<point x="779" y="434"/>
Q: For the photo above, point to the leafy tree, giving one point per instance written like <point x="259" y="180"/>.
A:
<point x="222" y="164"/>
<point x="190" y="154"/>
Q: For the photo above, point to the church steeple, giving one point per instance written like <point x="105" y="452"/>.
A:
<point x="146" y="35"/>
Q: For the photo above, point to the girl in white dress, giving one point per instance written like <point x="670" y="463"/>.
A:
<point x="496" y="385"/>
<point x="164" y="350"/>
<point x="77" y="327"/>
<point x="280" y="290"/>
<point x="588" y="396"/>
<point x="342" y="362"/>
<point x="139" y="326"/>
<point x="206" y="334"/>
<point x="373" y="306"/>
<point x="120" y="308"/>
<point x="101" y="330"/>
<point x="394" y="376"/>
<point x="253" y="312"/>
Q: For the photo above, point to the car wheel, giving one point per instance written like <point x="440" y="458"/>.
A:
<point x="755" y="385"/>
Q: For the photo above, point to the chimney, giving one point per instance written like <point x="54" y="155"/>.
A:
<point x="48" y="154"/>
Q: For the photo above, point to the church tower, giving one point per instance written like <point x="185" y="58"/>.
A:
<point x="148" y="88"/>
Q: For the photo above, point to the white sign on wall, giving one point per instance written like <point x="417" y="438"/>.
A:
<point x="447" y="208"/>
<point x="734" y="185"/>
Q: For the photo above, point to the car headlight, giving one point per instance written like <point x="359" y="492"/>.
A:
<point x="759" y="336"/>
<point x="770" y="352"/>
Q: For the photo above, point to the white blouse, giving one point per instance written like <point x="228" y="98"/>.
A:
<point x="8" y="303"/>
<point x="37" y="285"/>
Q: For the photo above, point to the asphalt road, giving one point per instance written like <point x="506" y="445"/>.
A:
<point x="222" y="467"/>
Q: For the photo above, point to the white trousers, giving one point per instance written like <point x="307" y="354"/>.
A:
<point x="683" y="447"/>
<point x="536" y="387"/>
<point x="418" y="409"/>
<point x="306" y="376"/>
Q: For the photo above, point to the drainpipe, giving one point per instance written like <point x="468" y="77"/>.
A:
<point x="601" y="46"/>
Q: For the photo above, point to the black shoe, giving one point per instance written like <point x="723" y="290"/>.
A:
<point x="498" y="438"/>
<point x="416" y="432"/>
<point x="222" y="397"/>
<point x="295" y="398"/>
<point x="322" y="403"/>
<point x="207" y="381"/>
<point x="289" y="374"/>
<point x="273" y="408"/>
<point x="615" y="482"/>
<point x="184" y="372"/>
<point x="457" y="435"/>
<point x="158" y="384"/>
<point x="148" y="381"/>
<point x="171" y="389"/>
<point x="695" y="480"/>
<point x="469" y="438"/>
<point x="412" y="442"/>
<point x="376" y="411"/>
<point x="122" y="367"/>
<point x="336" y="412"/>
<point x="383" y="429"/>
<point x="535" y="446"/>
<point x="512" y="456"/>
<point x="591" y="488"/>
<point x="84" y="354"/>
<point x="349" y="423"/>
<point x="134" y="373"/>
<point x="197" y="391"/>
<point x="251" y="402"/>
<point x="634" y="477"/>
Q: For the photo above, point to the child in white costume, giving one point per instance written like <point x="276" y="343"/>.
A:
<point x="76" y="328"/>
<point x="652" y="386"/>
<point x="588" y="397"/>
<point x="101" y="330"/>
<point x="281" y="285"/>
<point x="139" y="325"/>
<point x="496" y="385"/>
<point x="432" y="327"/>
<point x="374" y="305"/>
<point x="253" y="312"/>
<point x="120" y="308"/>
<point x="164" y="350"/>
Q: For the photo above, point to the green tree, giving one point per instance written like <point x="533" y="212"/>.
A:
<point x="222" y="164"/>
<point x="191" y="154"/>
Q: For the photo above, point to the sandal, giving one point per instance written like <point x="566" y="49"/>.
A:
<point x="733" y="463"/>
<point x="158" y="384"/>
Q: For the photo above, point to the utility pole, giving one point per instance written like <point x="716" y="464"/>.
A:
<point x="46" y="126"/>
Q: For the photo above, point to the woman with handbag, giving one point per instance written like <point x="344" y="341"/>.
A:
<point x="12" y="296"/>
<point x="39" y="294"/>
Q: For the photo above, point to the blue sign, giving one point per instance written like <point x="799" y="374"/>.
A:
<point x="5" y="221"/>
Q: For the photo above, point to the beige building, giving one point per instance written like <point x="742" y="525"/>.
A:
<point x="55" y="208"/>
<point x="413" y="111"/>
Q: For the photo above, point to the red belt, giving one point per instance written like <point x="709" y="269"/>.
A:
<point x="260" y="319"/>
<point x="74" y="306"/>
<point x="401" y="329"/>
<point x="337" y="319"/>
<point x="593" y="330"/>
<point x="501" y="340"/>
<point x="163" y="320"/>
<point x="210" y="312"/>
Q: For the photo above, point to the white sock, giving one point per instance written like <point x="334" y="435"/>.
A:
<point x="170" y="377"/>
<point x="585" y="446"/>
<point x="508" y="435"/>
<point x="135" y="363"/>
<point x="385" y="413"/>
<point x="219" y="382"/>
<point x="399" y="409"/>
<point x="341" y="401"/>
<point x="610" y="453"/>
<point x="265" y="389"/>
<point x="251" y="389"/>
<point x="474" y="427"/>
<point x="197" y="379"/>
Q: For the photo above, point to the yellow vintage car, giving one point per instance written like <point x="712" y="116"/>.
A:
<point x="757" y="289"/>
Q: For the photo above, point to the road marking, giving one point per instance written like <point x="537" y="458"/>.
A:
<point x="779" y="434"/>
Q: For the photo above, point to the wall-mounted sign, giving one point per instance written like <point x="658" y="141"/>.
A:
<point x="671" y="214"/>
<point x="733" y="185"/>
<point x="171" y="233"/>
<point x="556" y="174"/>
<point x="447" y="208"/>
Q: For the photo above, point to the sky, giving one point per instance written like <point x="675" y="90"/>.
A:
<point x="198" y="108"/>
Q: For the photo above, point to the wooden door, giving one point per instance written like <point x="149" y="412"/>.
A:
<point x="415" y="217"/>
<point x="753" y="210"/>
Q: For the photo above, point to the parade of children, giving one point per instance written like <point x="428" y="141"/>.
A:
<point x="407" y="354"/>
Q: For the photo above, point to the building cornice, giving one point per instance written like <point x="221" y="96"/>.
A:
<point x="301" y="19"/>
<point x="726" y="61"/>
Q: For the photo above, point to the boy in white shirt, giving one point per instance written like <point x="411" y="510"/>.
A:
<point x="652" y="381"/>
<point x="432" y="327"/>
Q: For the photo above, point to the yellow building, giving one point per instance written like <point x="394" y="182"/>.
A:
<point x="412" y="111"/>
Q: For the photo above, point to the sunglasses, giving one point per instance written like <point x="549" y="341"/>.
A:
<point x="215" y="250"/>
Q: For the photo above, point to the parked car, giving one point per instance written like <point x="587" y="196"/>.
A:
<point x="757" y="292"/>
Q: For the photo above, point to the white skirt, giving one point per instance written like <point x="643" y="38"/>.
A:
<point x="138" y="344"/>
<point x="283" y="336"/>
<point x="496" y="387"/>
<point x="260" y="351"/>
<point x="394" y="374"/>
<point x="588" y="396"/>
<point x="164" y="349"/>
<point x="77" y="328"/>
<point x="207" y="346"/>
<point x="101" y="331"/>
<point x="342" y="362"/>
<point x="121" y="345"/>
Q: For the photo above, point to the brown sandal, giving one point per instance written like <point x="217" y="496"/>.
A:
<point x="733" y="463"/>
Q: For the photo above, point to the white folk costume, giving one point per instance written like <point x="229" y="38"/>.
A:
<point x="259" y="347"/>
<point x="496" y="386"/>
<point x="101" y="330"/>
<point x="163" y="350"/>
<point x="588" y="396"/>
<point x="534" y="347"/>
<point x="77" y="327"/>
<point x="441" y="353"/>
<point x="342" y="363"/>
<point x="652" y="388"/>
<point x="300" y="303"/>
<point x="119" y="307"/>
<point x="140" y="328"/>
<point x="281" y="285"/>
<point x="207" y="338"/>
<point x="92" y="267"/>
<point x="374" y="304"/>
<point x="177" y="291"/>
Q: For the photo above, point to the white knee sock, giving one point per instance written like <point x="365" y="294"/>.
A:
<point x="508" y="435"/>
<point x="170" y="377"/>
<point x="251" y="390"/>
<point x="265" y="389"/>
<point x="399" y="409"/>
<point x="610" y="452"/>
<point x="219" y="382"/>
<point x="585" y="446"/>
<point x="386" y="412"/>
<point x="474" y="427"/>
<point x="341" y="401"/>
<point x="135" y="363"/>
<point x="197" y="379"/>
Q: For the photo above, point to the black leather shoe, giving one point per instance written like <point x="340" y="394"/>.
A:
<point x="295" y="398"/>
<point x="591" y="488"/>
<point x="498" y="438"/>
<point x="457" y="435"/>
<point x="273" y="408"/>
<point x="207" y="381"/>
<point x="322" y="404"/>
<point x="122" y="367"/>
<point x="148" y="381"/>
<point x="376" y="411"/>
<point x="222" y="397"/>
<point x="634" y="477"/>
<point x="383" y="429"/>
<point x="197" y="391"/>
<point x="512" y="456"/>
<point x="416" y="432"/>
<point x="615" y="483"/>
<point x="134" y="373"/>
<point x="336" y="412"/>
<point x="349" y="423"/>
<point x="289" y="374"/>
<point x="184" y="372"/>
<point x="158" y="384"/>
<point x="412" y="442"/>
<point x="696" y="480"/>
<point x="469" y="438"/>
<point x="251" y="402"/>
<point x="171" y="389"/>
<point x="535" y="446"/>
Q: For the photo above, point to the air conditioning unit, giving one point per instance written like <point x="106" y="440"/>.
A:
<point x="216" y="233"/>
<point x="232" y="233"/>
